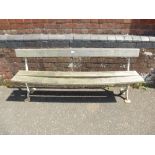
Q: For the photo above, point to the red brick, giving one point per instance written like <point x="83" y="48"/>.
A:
<point x="31" y="26"/>
<point x="80" y="25"/>
<point x="44" y="31"/>
<point x="12" y="21"/>
<point x="147" y="21"/>
<point x="61" y="21"/>
<point x="98" y="26"/>
<point x="94" y="20"/>
<point x="67" y="25"/>
<point x="136" y="31"/>
<point x="81" y="20"/>
<point x="124" y="31"/>
<point x="52" y="26"/>
<point x="139" y="26"/>
<point x="38" y="25"/>
<point x="129" y="21"/>
<point x="18" y="26"/>
<point x="105" y="21"/>
<point x="3" y="21"/>
<point x="82" y="31"/>
<point x="20" y="31"/>
<point x="114" y="26"/>
<point x="7" y="75"/>
<point x="93" y="25"/>
<point x="27" y="20"/>
<point x="51" y="21"/>
<point x="102" y="21"/>
<point x="29" y="31"/>
<point x="39" y="20"/>
<point x="51" y="31"/>
<point x="5" y="27"/>
<point x="19" y="21"/>
<point x="93" y="31"/>
<point x="63" y="31"/>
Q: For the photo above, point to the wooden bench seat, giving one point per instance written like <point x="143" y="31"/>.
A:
<point x="77" y="78"/>
<point x="59" y="78"/>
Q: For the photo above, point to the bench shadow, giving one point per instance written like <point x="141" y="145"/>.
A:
<point x="64" y="96"/>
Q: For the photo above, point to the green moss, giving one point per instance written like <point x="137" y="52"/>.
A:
<point x="141" y="86"/>
<point x="134" y="86"/>
<point x="1" y="81"/>
<point x="7" y="83"/>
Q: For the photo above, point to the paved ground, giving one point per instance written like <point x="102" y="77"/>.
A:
<point x="75" y="112"/>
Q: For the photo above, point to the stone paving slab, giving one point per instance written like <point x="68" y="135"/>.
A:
<point x="76" y="40"/>
<point x="76" y="112"/>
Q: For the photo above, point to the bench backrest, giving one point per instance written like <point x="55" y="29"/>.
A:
<point x="78" y="52"/>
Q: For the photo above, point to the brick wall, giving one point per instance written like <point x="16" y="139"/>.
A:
<point x="9" y="64"/>
<point x="82" y="26"/>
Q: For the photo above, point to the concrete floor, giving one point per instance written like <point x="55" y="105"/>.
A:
<point x="72" y="112"/>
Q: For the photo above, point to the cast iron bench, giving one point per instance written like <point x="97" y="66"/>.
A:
<point x="69" y="78"/>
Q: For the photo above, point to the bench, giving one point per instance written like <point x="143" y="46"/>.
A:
<point x="69" y="78"/>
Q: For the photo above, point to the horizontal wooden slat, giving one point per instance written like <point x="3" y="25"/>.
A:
<point x="78" y="81"/>
<point x="76" y="74"/>
<point x="78" y="52"/>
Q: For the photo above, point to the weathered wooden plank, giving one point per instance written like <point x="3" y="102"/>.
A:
<point x="78" y="81"/>
<point x="78" y="52"/>
<point x="76" y="74"/>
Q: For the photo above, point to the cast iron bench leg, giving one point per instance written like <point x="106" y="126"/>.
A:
<point x="127" y="100"/>
<point x="28" y="93"/>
